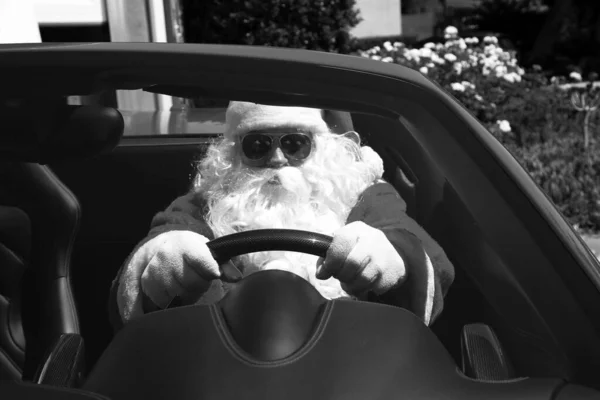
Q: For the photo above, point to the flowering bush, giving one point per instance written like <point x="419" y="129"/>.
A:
<point x="540" y="122"/>
<point x="490" y="83"/>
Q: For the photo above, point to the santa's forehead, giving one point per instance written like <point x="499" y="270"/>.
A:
<point x="242" y="118"/>
<point x="243" y="107"/>
<point x="280" y="130"/>
<point x="257" y="113"/>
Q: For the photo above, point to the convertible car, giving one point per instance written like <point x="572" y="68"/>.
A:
<point x="81" y="180"/>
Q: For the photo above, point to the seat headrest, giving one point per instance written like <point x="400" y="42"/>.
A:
<point x="338" y="121"/>
<point x="55" y="131"/>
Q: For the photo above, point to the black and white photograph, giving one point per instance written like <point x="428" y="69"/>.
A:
<point x="299" y="199"/>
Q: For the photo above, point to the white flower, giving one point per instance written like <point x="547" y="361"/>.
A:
<point x="490" y="39"/>
<point x="490" y="62"/>
<point x="509" y="77"/>
<point x="512" y="77"/>
<point x="429" y="45"/>
<point x="388" y="46"/>
<point x="413" y="54"/>
<point x="501" y="70"/>
<point x="478" y="97"/>
<point x="468" y="85"/>
<point x="490" y="49"/>
<point x="504" y="56"/>
<point x="437" y="59"/>
<point x="376" y="58"/>
<point x="450" y="32"/>
<point x="457" y="86"/>
<point x="575" y="75"/>
<point x="387" y="59"/>
<point x="398" y="44"/>
<point x="504" y="125"/>
<point x="461" y="44"/>
<point x="450" y="57"/>
<point x="430" y="65"/>
<point x="425" y="52"/>
<point x="458" y="68"/>
<point x="423" y="70"/>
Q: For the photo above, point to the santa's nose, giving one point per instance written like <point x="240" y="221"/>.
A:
<point x="278" y="159"/>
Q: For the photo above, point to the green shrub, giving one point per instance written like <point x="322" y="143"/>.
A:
<point x="362" y="44"/>
<point x="309" y="24"/>
<point x="569" y="175"/>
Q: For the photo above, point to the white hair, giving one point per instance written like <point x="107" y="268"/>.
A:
<point x="315" y="196"/>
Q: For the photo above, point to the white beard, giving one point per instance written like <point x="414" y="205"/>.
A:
<point x="312" y="197"/>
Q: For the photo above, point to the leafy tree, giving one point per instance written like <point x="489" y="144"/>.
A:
<point x="560" y="35"/>
<point x="518" y="20"/>
<point x="310" y="24"/>
<point x="571" y="30"/>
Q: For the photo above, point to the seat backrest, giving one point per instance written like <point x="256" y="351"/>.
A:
<point x="39" y="218"/>
<point x="15" y="244"/>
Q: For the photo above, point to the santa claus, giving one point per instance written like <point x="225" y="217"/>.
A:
<point x="286" y="167"/>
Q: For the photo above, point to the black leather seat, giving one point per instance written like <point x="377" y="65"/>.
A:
<point x="39" y="333"/>
<point x="39" y="219"/>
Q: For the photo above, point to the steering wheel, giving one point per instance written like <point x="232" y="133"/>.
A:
<point x="226" y="247"/>
<point x="274" y="336"/>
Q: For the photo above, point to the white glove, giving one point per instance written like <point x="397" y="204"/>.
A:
<point x="362" y="259"/>
<point x="182" y="266"/>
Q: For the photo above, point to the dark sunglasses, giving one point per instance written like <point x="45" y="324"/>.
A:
<point x="258" y="146"/>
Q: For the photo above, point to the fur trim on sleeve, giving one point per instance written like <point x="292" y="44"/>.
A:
<point x="382" y="207"/>
<point x="182" y="214"/>
<point x="418" y="293"/>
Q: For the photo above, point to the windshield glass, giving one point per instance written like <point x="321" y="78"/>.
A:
<point x="148" y="114"/>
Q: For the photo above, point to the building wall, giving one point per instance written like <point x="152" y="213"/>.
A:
<point x="18" y="23"/>
<point x="380" y="18"/>
<point x="419" y="26"/>
<point x="69" y="12"/>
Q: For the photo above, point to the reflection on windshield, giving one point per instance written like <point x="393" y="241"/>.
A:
<point x="192" y="121"/>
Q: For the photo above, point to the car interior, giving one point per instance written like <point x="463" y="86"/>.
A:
<point x="72" y="210"/>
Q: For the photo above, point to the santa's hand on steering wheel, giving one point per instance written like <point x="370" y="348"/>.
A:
<point x="182" y="267"/>
<point x="362" y="259"/>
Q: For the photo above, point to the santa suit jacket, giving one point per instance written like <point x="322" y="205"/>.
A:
<point x="379" y="206"/>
